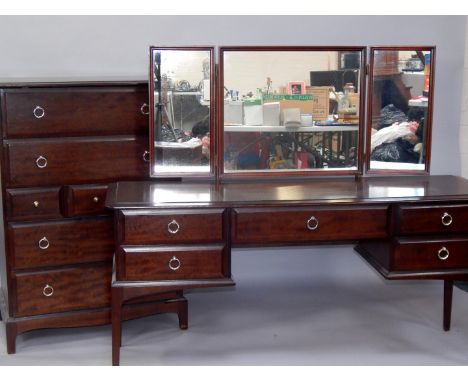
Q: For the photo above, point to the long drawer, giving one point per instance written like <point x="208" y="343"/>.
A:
<point x="427" y="219"/>
<point x="60" y="242"/>
<point x="76" y="111"/>
<point x="297" y="224"/>
<point x="62" y="290"/>
<point x="170" y="226"/>
<point x="429" y="253"/>
<point x="42" y="162"/>
<point x="172" y="263"/>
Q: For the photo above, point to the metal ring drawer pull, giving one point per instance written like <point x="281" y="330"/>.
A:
<point x="443" y="253"/>
<point x="95" y="199"/>
<point x="174" y="263"/>
<point x="44" y="243"/>
<point x="48" y="291"/>
<point x="36" y="203"/>
<point x="146" y="156"/>
<point x="173" y="227"/>
<point x="39" y="112"/>
<point x="446" y="219"/>
<point x="312" y="223"/>
<point x="144" y="109"/>
<point x="41" y="162"/>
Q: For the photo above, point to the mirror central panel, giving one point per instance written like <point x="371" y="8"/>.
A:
<point x="294" y="110"/>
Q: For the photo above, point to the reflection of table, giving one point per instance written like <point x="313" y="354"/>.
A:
<point x="345" y="134"/>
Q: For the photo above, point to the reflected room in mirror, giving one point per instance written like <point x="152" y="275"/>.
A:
<point x="181" y="121"/>
<point x="400" y="109"/>
<point x="293" y="110"/>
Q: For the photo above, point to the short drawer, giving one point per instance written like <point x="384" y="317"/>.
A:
<point x="62" y="290"/>
<point x="44" y="162"/>
<point x="31" y="204"/>
<point x="171" y="263"/>
<point x="297" y="225"/>
<point x="427" y="219"/>
<point x="424" y="254"/>
<point x="140" y="227"/>
<point x="84" y="200"/>
<point x="60" y="242"/>
<point x="76" y="111"/>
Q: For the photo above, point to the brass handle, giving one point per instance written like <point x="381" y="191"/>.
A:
<point x="313" y="223"/>
<point x="39" y="112"/>
<point x="36" y="203"/>
<point x="41" y="161"/>
<point x="443" y="253"/>
<point x="446" y="219"/>
<point x="48" y="291"/>
<point x="144" y="109"/>
<point x="174" y="263"/>
<point x="95" y="199"/>
<point x="43" y="243"/>
<point x="146" y="156"/>
<point x="173" y="227"/>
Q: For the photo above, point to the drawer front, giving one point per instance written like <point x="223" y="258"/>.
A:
<point x="55" y="162"/>
<point x="431" y="219"/>
<point x="170" y="226"/>
<point x="171" y="263"/>
<point x="295" y="225"/>
<point x="76" y="111"/>
<point x="62" y="290"/>
<point x="59" y="243"/>
<point x="31" y="204"/>
<point x="430" y="254"/>
<point x="84" y="200"/>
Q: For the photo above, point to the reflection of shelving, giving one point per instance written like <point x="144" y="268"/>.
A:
<point x="283" y="129"/>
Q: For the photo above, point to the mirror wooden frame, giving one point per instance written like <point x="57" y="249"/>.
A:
<point x="213" y="133"/>
<point x="428" y="123"/>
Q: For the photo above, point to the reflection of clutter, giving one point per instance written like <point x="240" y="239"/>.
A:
<point x="289" y="127"/>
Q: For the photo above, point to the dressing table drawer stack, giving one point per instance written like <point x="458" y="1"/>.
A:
<point x="61" y="145"/>
<point x="428" y="241"/>
<point x="171" y="245"/>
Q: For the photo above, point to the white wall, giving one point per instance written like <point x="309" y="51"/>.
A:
<point x="108" y="47"/>
<point x="464" y="114"/>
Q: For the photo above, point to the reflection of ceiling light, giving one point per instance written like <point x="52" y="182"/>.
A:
<point x="395" y="192"/>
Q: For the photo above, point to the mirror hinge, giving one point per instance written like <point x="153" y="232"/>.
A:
<point x="367" y="69"/>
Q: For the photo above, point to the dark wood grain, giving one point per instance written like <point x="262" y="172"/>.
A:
<point x="69" y="242"/>
<point x="77" y="160"/>
<point x="152" y="226"/>
<point x="33" y="204"/>
<point x="76" y="111"/>
<point x="153" y="263"/>
<point x="74" y="288"/>
<point x="289" y="225"/>
<point x="84" y="200"/>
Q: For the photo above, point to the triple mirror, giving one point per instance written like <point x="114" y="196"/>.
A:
<point x="296" y="111"/>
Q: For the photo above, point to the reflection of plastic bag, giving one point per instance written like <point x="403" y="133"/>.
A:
<point x="390" y="115"/>
<point x="398" y="151"/>
<point x="390" y="134"/>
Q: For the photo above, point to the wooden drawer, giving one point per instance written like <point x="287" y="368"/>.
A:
<point x="72" y="161"/>
<point x="171" y="263"/>
<point x="76" y="111"/>
<point x="296" y="225"/>
<point x="424" y="254"/>
<point x="412" y="219"/>
<point x="62" y="290"/>
<point x="84" y="200"/>
<point x="31" y="204"/>
<point x="169" y="226"/>
<point x="61" y="242"/>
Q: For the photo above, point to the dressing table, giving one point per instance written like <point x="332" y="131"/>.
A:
<point x="104" y="222"/>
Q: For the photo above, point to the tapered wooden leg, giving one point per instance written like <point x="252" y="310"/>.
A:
<point x="116" y="325"/>
<point x="183" y="314"/>
<point x="11" y="333"/>
<point x="448" y="292"/>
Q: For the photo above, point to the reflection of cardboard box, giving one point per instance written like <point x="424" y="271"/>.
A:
<point x="354" y="101"/>
<point x="271" y="113"/>
<point x="303" y="102"/>
<point x="321" y="107"/>
<point x="233" y="113"/>
<point x="253" y="112"/>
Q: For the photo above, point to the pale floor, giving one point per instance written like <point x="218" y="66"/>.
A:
<point x="292" y="306"/>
